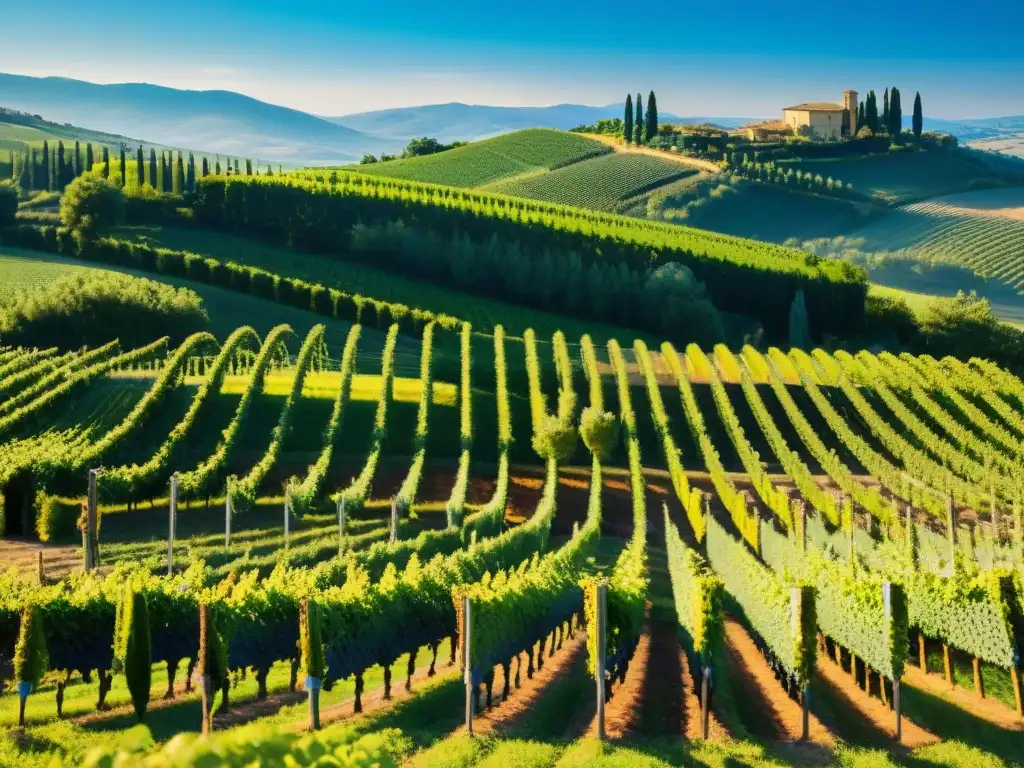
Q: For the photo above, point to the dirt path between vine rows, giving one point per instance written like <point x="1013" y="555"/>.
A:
<point x="754" y="680"/>
<point x="988" y="709"/>
<point x="879" y="719"/>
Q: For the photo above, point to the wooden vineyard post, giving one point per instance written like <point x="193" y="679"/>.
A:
<point x="227" y="517"/>
<point x="172" y="523"/>
<point x="394" y="522"/>
<point x="40" y="573"/>
<point x="887" y="621"/>
<point x="341" y="525"/>
<point x="467" y="667"/>
<point x="92" y="549"/>
<point x="599" y="670"/>
<point x="796" y="599"/>
<point x="205" y="683"/>
<point x="287" y="513"/>
<point x="950" y="529"/>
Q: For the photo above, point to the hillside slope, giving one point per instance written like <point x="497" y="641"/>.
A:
<point x="218" y="121"/>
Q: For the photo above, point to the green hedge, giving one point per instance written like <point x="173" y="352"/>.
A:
<point x="698" y="594"/>
<point x="242" y="278"/>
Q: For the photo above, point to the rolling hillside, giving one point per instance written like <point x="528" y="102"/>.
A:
<point x="485" y="162"/>
<point x="20" y="129"/>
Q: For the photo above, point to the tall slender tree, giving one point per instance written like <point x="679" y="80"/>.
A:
<point x="895" y="112"/>
<point x="248" y="167"/>
<point x="652" y="116"/>
<point x="179" y="175"/>
<point x="123" y="168"/>
<point x="140" y="167"/>
<point x="918" y="123"/>
<point x="860" y="115"/>
<point x="78" y="161"/>
<point x="206" y="166"/>
<point x="190" y="176"/>
<point x="638" y="121"/>
<point x="164" y="178"/>
<point x="61" y="173"/>
<point x="106" y="163"/>
<point x="89" y="158"/>
<point x="627" y="122"/>
<point x="152" y="167"/>
<point x="216" y="166"/>
<point x="885" y="110"/>
<point x="871" y="112"/>
<point x="44" y="163"/>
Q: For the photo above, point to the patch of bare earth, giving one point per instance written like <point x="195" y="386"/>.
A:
<point x="777" y="714"/>
<point x="879" y="719"/>
<point x="504" y="715"/>
<point x="988" y="709"/>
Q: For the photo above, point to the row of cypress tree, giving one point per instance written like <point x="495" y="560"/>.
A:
<point x="891" y="119"/>
<point x="635" y="128"/>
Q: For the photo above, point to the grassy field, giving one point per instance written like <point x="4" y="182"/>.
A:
<point x="899" y="178"/>
<point x="599" y="182"/>
<point x="483" y="162"/>
<point x="768" y="212"/>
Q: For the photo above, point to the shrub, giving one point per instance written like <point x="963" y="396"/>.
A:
<point x="92" y="309"/>
<point x="599" y="431"/>
<point x="8" y="203"/>
<point x="31" y="658"/>
<point x="91" y="206"/>
<point x="554" y="438"/>
<point x="56" y="518"/>
<point x="134" y="651"/>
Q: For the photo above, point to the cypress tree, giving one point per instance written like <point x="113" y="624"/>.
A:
<point x="190" y="177"/>
<point x="60" y="165"/>
<point x="895" y="112"/>
<point x="106" y="163"/>
<point x="45" y="163"/>
<point x="179" y="175"/>
<point x="799" y="325"/>
<point x="135" y="651"/>
<point x="89" y="158"/>
<point x="871" y="112"/>
<point x="652" y="116"/>
<point x="638" y="121"/>
<point x="627" y="122"/>
<point x="78" y="161"/>
<point x="860" y="115"/>
<point x="152" y="168"/>
<point x="885" y="110"/>
<point x="918" y="123"/>
<point x="140" y="168"/>
<point x="31" y="656"/>
<point x="206" y="167"/>
<point x="123" y="165"/>
<point x="165" y="179"/>
<point x="237" y="172"/>
<point x="248" y="167"/>
<point x="270" y="170"/>
<point x="33" y="169"/>
<point x="216" y="166"/>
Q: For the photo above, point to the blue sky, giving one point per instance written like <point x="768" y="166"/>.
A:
<point x="739" y="58"/>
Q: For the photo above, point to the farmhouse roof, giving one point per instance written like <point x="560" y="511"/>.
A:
<point x="816" y="106"/>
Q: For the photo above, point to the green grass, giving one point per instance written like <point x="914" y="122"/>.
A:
<point x="25" y="270"/>
<point x="902" y="177"/>
<point x="483" y="162"/>
<point x="773" y="213"/>
<point x="599" y="182"/>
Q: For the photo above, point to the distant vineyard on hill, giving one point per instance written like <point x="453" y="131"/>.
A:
<point x="982" y="231"/>
<point x="600" y="182"/>
<point x="484" y="162"/>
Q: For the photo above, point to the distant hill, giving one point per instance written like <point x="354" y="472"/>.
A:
<point x="217" y="121"/>
<point x="470" y="122"/>
<point x="21" y="129"/>
<point x="974" y="129"/>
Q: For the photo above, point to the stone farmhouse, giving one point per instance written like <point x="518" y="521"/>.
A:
<point x="816" y="119"/>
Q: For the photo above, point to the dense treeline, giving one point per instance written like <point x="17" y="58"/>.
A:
<point x="741" y="276"/>
<point x="89" y="310"/>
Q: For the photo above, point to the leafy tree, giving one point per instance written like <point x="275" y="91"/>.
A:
<point x="91" y="206"/>
<point x="674" y="299"/>
<point x="8" y="203"/>
<point x="367" y="160"/>
<point x="966" y="326"/>
<point x="638" y="121"/>
<point x="140" y="167"/>
<point x="918" y="123"/>
<point x="799" y="323"/>
<point x="652" y="116"/>
<point x="627" y="123"/>
<point x="133" y="652"/>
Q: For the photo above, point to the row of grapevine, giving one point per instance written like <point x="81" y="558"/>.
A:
<point x="243" y="492"/>
<point x="970" y="380"/>
<point x="80" y="378"/>
<point x="407" y="492"/>
<point x="776" y="500"/>
<point x="31" y="366"/>
<point x="793" y="466"/>
<point x="735" y="502"/>
<point x="133" y="481"/>
<point x="457" y="500"/>
<point x="306" y="492"/>
<point x="206" y="478"/>
<point x="355" y="495"/>
<point x="690" y="498"/>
